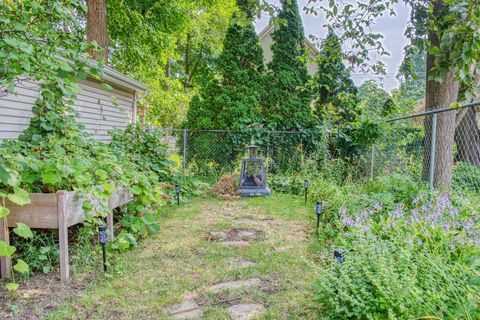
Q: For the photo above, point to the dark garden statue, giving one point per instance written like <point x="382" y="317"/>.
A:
<point x="252" y="177"/>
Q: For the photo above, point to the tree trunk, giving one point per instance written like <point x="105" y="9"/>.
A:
<point x="187" y="61"/>
<point x="467" y="135"/>
<point x="168" y="68"/>
<point x="440" y="95"/>
<point x="97" y="27"/>
<point x="467" y="138"/>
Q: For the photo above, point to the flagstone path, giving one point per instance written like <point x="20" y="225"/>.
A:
<point x="214" y="259"/>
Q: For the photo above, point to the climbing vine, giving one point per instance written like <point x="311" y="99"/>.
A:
<point x="42" y="41"/>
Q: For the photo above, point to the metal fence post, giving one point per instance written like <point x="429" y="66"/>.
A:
<point x="433" y="150"/>
<point x="268" y="149"/>
<point x="372" y="161"/>
<point x="184" y="164"/>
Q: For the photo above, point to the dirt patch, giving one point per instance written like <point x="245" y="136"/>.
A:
<point x="235" y="235"/>
<point x="42" y="294"/>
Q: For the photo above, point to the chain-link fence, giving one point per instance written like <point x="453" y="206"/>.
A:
<point x="440" y="147"/>
<point x="215" y="151"/>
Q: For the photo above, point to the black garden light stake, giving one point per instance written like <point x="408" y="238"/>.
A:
<point x="102" y="233"/>
<point x="177" y="192"/>
<point x="338" y="255"/>
<point x="305" y="185"/>
<point x="318" y="211"/>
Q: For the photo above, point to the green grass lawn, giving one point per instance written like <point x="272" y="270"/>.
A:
<point x="180" y="263"/>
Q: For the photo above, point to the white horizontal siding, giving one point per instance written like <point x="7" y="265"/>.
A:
<point x="100" y="110"/>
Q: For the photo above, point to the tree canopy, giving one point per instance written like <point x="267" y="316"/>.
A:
<point x="289" y="99"/>
<point x="233" y="99"/>
<point x="335" y="92"/>
<point x="169" y="45"/>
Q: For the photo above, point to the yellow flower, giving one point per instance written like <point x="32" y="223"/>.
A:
<point x="212" y="164"/>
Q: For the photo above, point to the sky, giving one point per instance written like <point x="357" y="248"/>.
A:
<point x="394" y="40"/>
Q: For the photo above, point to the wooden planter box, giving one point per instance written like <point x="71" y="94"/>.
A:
<point x="54" y="211"/>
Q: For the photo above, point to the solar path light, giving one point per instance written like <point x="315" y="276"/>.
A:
<point x="177" y="192"/>
<point x="102" y="234"/>
<point x="338" y="254"/>
<point x="318" y="212"/>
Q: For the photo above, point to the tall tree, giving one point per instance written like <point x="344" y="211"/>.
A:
<point x="170" y="46"/>
<point x="334" y="89"/>
<point x="97" y="28"/>
<point x="467" y="133"/>
<point x="412" y="76"/>
<point x="374" y="101"/>
<point x="441" y="92"/>
<point x="288" y="96"/>
<point x="233" y="99"/>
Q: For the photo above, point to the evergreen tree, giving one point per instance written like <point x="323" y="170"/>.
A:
<point x="334" y="89"/>
<point x="288" y="98"/>
<point x="233" y="99"/>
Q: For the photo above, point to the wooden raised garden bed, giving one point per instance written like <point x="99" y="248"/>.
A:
<point x="54" y="211"/>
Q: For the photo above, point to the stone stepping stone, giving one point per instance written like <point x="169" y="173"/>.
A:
<point x="188" y="309"/>
<point x="245" y="311"/>
<point x="235" y="285"/>
<point x="235" y="244"/>
<point x="248" y="234"/>
<point x="235" y="235"/>
<point x="217" y="235"/>
<point x="247" y="221"/>
<point x="242" y="263"/>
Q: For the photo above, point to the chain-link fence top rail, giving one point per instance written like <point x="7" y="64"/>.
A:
<point x="405" y="146"/>
<point x="215" y="151"/>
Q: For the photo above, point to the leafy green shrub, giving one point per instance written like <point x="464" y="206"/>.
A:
<point x="395" y="280"/>
<point x="40" y="251"/>
<point x="418" y="260"/>
<point x="466" y="176"/>
<point x="400" y="188"/>
<point x="292" y="184"/>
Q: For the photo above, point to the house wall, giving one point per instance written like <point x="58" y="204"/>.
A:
<point x="98" y="113"/>
<point x="266" y="41"/>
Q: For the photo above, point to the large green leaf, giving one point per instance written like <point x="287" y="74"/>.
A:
<point x="108" y="187"/>
<point x="11" y="41"/>
<point x="3" y="175"/>
<point x="21" y="266"/>
<point x="136" y="190"/>
<point x="59" y="149"/>
<point x="79" y="165"/>
<point x="23" y="230"/>
<point x="101" y="174"/>
<point x="12" y="286"/>
<point x="20" y="196"/>
<point x="6" y="250"/>
<point x="4" y="212"/>
<point x="51" y="176"/>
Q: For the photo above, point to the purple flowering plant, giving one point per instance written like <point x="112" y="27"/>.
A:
<point x="437" y="225"/>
